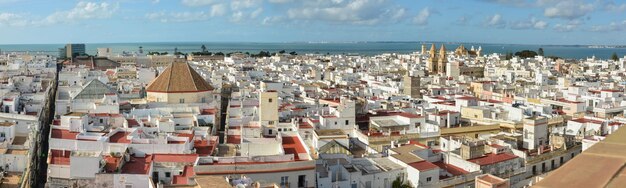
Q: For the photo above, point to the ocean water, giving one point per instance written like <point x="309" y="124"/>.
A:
<point x="362" y="48"/>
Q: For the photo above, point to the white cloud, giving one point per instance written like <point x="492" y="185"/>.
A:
<point x="360" y="12"/>
<point x="422" y="17"/>
<point x="10" y="19"/>
<point x="195" y="3"/>
<point x="495" y="21"/>
<point x="567" y="27"/>
<point x="271" y="20"/>
<point x="82" y="11"/>
<point x="218" y="10"/>
<point x="611" y="6"/>
<point x="568" y="9"/>
<point x="533" y="23"/>
<point x="462" y="20"/>
<point x="256" y="13"/>
<point x="237" y="16"/>
<point x="244" y="4"/>
<point x="509" y="2"/>
<point x="613" y="26"/>
<point x="280" y="1"/>
<point x="179" y="16"/>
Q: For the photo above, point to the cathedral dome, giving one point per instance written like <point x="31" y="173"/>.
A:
<point x="179" y="77"/>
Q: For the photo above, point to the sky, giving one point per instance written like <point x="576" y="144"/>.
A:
<point x="483" y="21"/>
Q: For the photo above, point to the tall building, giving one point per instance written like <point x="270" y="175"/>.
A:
<point x="73" y="50"/>
<point x="432" y="60"/>
<point x="268" y="113"/>
<point x="423" y="49"/>
<point x="442" y="60"/>
<point x="412" y="86"/>
<point x="62" y="53"/>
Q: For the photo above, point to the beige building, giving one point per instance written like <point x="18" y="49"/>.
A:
<point x="268" y="112"/>
<point x="412" y="86"/>
<point x="179" y="83"/>
<point x="432" y="60"/>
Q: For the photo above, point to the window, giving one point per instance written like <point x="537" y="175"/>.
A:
<point x="269" y="131"/>
<point x="284" y="181"/>
<point x="335" y="123"/>
<point x="347" y="122"/>
<point x="280" y="129"/>
<point x="269" y="100"/>
<point x="428" y="179"/>
<point x="168" y="174"/>
<point x="101" y="120"/>
<point x="182" y="100"/>
<point x="270" y="122"/>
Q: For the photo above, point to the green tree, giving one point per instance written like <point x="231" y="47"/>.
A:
<point x="614" y="56"/>
<point x="203" y="48"/>
<point x="281" y="52"/>
<point x="540" y="51"/>
<point x="398" y="183"/>
<point x="526" y="54"/>
<point x="508" y="56"/>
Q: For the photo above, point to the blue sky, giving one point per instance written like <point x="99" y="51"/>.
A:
<point x="489" y="21"/>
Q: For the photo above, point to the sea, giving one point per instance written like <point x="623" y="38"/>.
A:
<point x="353" y="48"/>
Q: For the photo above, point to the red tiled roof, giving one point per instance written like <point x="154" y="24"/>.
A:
<point x="568" y="101"/>
<point x="396" y="113"/>
<point x="132" y="123"/>
<point x="423" y="166"/>
<point x="611" y="90"/>
<point x="454" y="170"/>
<point x="184" y="178"/>
<point x="491" y="158"/>
<point x="112" y="163"/>
<point x="417" y="143"/>
<point x="233" y="139"/>
<point x="119" y="137"/>
<point x="209" y="111"/>
<point x="205" y="147"/>
<point x="445" y="112"/>
<point x="584" y="120"/>
<point x="63" y="134"/>
<point x="292" y="145"/>
<point x="305" y="125"/>
<point x="137" y="165"/>
<point x="467" y="98"/>
<point x="175" y="158"/>
<point x="60" y="157"/>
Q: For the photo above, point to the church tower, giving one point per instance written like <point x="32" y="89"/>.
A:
<point x="432" y="60"/>
<point x="443" y="60"/>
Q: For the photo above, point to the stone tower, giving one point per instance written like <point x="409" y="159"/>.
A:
<point x="432" y="60"/>
<point x="443" y="60"/>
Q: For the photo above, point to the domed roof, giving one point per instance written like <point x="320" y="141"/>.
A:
<point x="179" y="77"/>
